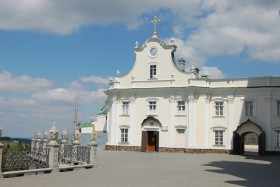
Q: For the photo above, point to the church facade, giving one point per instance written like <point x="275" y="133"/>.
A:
<point x="158" y="106"/>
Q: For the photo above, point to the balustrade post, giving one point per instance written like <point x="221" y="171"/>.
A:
<point x="64" y="137"/>
<point x="76" y="143"/>
<point x="77" y="136"/>
<point x="33" y="141"/>
<point x="93" y="147"/>
<point x="38" y="144"/>
<point x="1" y="151"/>
<point x="54" y="148"/>
<point x="46" y="139"/>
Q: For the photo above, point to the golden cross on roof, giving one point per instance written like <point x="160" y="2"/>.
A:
<point x="155" y="21"/>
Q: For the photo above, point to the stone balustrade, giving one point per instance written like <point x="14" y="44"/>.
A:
<point x="58" y="155"/>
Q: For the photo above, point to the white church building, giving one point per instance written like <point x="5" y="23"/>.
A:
<point x="159" y="106"/>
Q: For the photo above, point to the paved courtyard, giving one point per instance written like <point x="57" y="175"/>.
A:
<point x="163" y="169"/>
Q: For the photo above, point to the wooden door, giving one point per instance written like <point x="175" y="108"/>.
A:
<point x="151" y="141"/>
<point x="144" y="141"/>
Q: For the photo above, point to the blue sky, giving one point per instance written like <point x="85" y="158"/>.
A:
<point x="52" y="51"/>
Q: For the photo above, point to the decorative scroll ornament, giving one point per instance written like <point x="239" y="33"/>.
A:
<point x="132" y="99"/>
<point x="230" y="100"/>
<point x="115" y="100"/>
<point x="172" y="99"/>
<point x="53" y="134"/>
<point x="207" y="100"/>
<point x="192" y="99"/>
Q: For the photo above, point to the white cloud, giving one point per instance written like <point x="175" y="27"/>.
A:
<point x="217" y="27"/>
<point x="213" y="72"/>
<point x="41" y="104"/>
<point x="24" y="83"/>
<point x="96" y="80"/>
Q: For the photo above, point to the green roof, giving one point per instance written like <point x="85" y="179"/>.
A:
<point x="87" y="125"/>
<point x="104" y="109"/>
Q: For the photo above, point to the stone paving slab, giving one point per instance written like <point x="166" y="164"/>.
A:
<point x="163" y="169"/>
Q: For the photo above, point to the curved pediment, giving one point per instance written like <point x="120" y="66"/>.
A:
<point x="249" y="126"/>
<point x="150" y="121"/>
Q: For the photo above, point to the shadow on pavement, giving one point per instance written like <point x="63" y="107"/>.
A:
<point x="254" y="171"/>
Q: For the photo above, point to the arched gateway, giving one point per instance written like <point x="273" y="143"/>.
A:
<point x="150" y="134"/>
<point x="240" y="133"/>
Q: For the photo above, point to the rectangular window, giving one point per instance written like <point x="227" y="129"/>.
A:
<point x="219" y="108"/>
<point x="124" y="135"/>
<point x="278" y="138"/>
<point x="219" y="137"/>
<point x="181" y="107"/>
<point x="153" y="71"/>
<point x="249" y="108"/>
<point x="152" y="107"/>
<point x="278" y="108"/>
<point x="125" y="107"/>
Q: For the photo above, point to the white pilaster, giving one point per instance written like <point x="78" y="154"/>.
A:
<point x="114" y="118"/>
<point x="171" y="122"/>
<point x="191" y="115"/>
<point x="268" y="122"/>
<point x="230" y="122"/>
<point x="131" y="131"/>
<point x="207" y="121"/>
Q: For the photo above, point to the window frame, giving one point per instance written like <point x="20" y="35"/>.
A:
<point x="219" y="108"/>
<point x="219" y="137"/>
<point x="124" y="135"/>
<point x="181" y="107"/>
<point x="249" y="110"/>
<point x="152" y="107"/>
<point x="153" y="71"/>
<point x="125" y="108"/>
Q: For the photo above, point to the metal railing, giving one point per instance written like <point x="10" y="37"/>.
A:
<point x="23" y="159"/>
<point x="69" y="154"/>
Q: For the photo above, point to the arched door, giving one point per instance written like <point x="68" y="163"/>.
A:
<point x="150" y="134"/>
<point x="241" y="131"/>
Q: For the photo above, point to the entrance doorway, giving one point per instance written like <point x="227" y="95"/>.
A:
<point x="150" y="141"/>
<point x="251" y="144"/>
<point x="240" y="133"/>
<point x="150" y="134"/>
